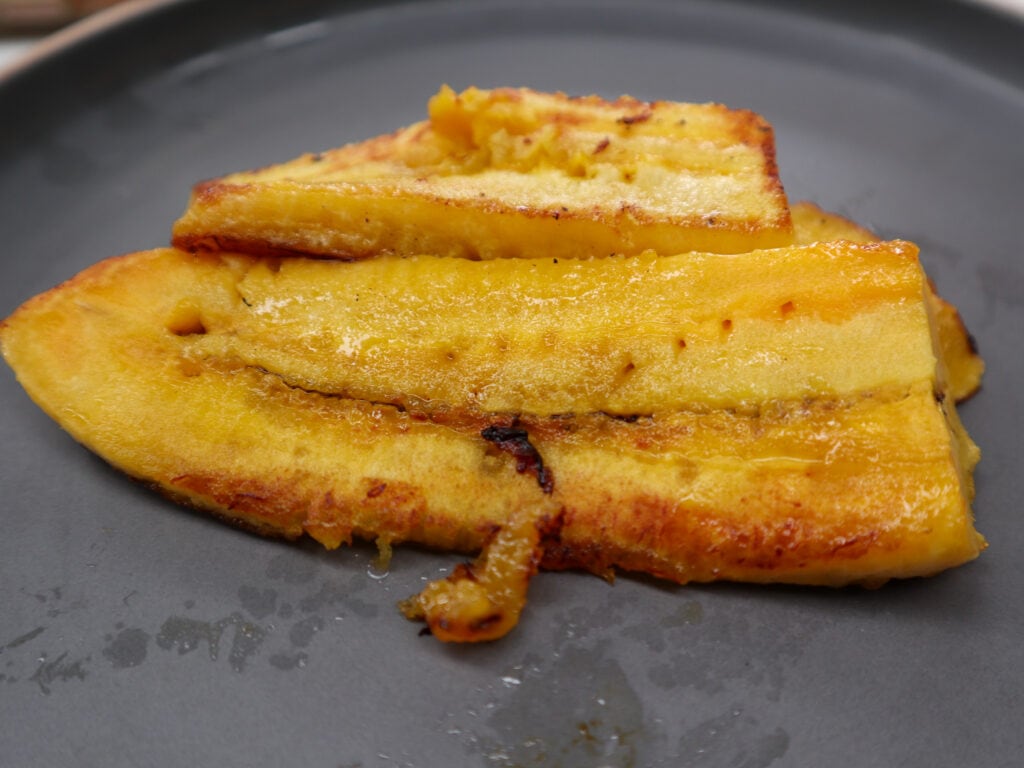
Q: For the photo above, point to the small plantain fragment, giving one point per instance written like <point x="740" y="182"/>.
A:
<point x="483" y="600"/>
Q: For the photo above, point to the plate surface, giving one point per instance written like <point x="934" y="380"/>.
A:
<point x="134" y="632"/>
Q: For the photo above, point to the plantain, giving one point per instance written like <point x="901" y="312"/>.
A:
<point x="518" y="173"/>
<point x="622" y="335"/>
<point x="957" y="348"/>
<point x="835" y="485"/>
<point x="675" y="373"/>
<point x="513" y="172"/>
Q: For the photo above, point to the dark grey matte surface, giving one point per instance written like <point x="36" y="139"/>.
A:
<point x="133" y="632"/>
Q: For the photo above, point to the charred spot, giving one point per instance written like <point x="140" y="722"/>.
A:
<point x="640" y="117"/>
<point x="376" y="490"/>
<point x="316" y="157"/>
<point x="516" y="442"/>
<point x="786" y="309"/>
<point x="550" y="529"/>
<point x="602" y="145"/>
<point x="727" y="325"/>
<point x="940" y="397"/>
<point x="710" y="221"/>
<point x="681" y="343"/>
<point x="629" y="418"/>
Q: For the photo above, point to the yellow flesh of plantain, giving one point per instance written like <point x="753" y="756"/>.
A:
<point x="964" y="366"/>
<point x="513" y="172"/>
<point x="837" y="487"/>
<point x="622" y="335"/>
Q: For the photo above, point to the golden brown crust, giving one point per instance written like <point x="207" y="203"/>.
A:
<point x="513" y="162"/>
<point x="828" y="491"/>
<point x="214" y="244"/>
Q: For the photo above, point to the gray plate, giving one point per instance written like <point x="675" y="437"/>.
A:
<point x="134" y="632"/>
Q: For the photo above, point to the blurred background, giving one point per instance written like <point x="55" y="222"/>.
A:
<point x="35" y="17"/>
<point x="25" y="22"/>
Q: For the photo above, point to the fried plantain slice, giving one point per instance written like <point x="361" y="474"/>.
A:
<point x="513" y="172"/>
<point x="622" y="335"/>
<point x="838" y="488"/>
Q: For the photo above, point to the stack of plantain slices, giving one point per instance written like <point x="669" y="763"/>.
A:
<point x="557" y="332"/>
